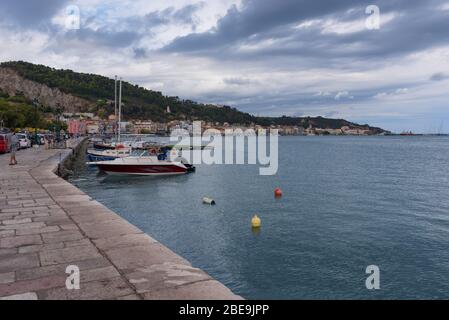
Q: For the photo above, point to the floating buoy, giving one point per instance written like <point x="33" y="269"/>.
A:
<point x="210" y="201"/>
<point x="255" y="221"/>
<point x="278" y="192"/>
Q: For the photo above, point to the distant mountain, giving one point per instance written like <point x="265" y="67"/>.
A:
<point x="81" y="92"/>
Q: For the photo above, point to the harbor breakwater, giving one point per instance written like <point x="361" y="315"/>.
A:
<point x="47" y="225"/>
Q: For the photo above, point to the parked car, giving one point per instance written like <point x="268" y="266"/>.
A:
<point x="24" y="142"/>
<point x="5" y="142"/>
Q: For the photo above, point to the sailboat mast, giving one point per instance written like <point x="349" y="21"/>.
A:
<point x="120" y="110"/>
<point x="115" y="103"/>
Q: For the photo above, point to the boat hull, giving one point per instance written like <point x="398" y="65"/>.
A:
<point x="95" y="158"/>
<point x="143" y="170"/>
<point x="102" y="146"/>
<point x="106" y="155"/>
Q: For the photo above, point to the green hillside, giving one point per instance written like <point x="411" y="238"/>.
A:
<point x="19" y="112"/>
<point x="142" y="103"/>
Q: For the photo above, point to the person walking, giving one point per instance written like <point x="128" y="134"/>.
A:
<point x="14" y="147"/>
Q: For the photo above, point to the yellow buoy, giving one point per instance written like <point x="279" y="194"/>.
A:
<point x="255" y="222"/>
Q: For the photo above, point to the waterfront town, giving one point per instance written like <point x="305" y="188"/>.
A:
<point x="88" y="123"/>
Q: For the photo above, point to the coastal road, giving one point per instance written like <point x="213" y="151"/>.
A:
<point x="49" y="229"/>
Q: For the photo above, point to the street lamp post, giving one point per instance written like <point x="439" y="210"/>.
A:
<point x="35" y="102"/>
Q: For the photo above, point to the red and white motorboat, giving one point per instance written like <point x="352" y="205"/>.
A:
<point x="144" y="166"/>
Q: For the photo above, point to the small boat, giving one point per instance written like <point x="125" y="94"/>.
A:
<point x="105" y="155"/>
<point x="142" y="165"/>
<point x="103" y="146"/>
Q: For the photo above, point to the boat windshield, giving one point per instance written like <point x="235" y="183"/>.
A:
<point x="140" y="153"/>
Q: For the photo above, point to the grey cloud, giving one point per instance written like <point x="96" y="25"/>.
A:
<point x="440" y="76"/>
<point x="400" y="36"/>
<point x="331" y="114"/>
<point x="30" y="14"/>
<point x="185" y="15"/>
<point x="237" y="81"/>
<point x="101" y="38"/>
<point x="140" y="53"/>
<point x="417" y="26"/>
<point x="297" y="102"/>
<point x="157" y="18"/>
<point x="256" y="16"/>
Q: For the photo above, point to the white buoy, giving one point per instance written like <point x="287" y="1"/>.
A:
<point x="210" y="201"/>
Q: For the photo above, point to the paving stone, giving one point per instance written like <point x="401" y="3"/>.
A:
<point x="16" y="221"/>
<point x="6" y="216"/>
<point x="130" y="258"/>
<point x="102" y="289"/>
<point x="53" y="220"/>
<point x="12" y="209"/>
<point x="34" y="206"/>
<point x="75" y="243"/>
<point x="98" y="274"/>
<point x="18" y="262"/>
<point x="31" y="215"/>
<point x="42" y="230"/>
<point x="95" y="216"/>
<point x="203" y="290"/>
<point x="106" y="229"/>
<point x="124" y="241"/>
<point x="45" y="201"/>
<point x="72" y="198"/>
<point x="7" y="233"/>
<point x="40" y="247"/>
<point x="7" y="252"/>
<point x="69" y="226"/>
<point x="32" y="285"/>
<point x="21" y="202"/>
<point x="19" y="241"/>
<point x="59" y="269"/>
<point x="60" y="236"/>
<point x="74" y="207"/>
<point x="130" y="297"/>
<point x="22" y="226"/>
<point x="23" y="296"/>
<point x="54" y="212"/>
<point x="7" y="277"/>
<point x="165" y="275"/>
<point x="49" y="257"/>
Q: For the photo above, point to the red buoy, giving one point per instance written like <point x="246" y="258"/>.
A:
<point x="278" y="192"/>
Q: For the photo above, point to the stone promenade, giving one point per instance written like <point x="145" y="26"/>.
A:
<point x="47" y="224"/>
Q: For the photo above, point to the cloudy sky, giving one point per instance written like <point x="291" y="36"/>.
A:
<point x="266" y="57"/>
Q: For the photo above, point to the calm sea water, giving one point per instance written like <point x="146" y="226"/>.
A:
<point x="348" y="202"/>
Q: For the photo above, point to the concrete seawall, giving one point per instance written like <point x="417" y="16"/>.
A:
<point x="47" y="224"/>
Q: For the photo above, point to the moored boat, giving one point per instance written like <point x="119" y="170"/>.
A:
<point x="145" y="166"/>
<point x="105" y="155"/>
<point x="103" y="146"/>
